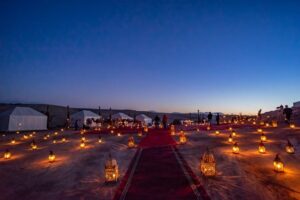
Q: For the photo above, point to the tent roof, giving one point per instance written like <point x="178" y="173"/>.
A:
<point x="121" y="116"/>
<point x="22" y="111"/>
<point x="86" y="113"/>
<point x="142" y="116"/>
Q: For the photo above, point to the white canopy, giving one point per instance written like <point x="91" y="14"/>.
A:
<point x="144" y="119"/>
<point x="82" y="117"/>
<point x="22" y="119"/>
<point x="121" y="116"/>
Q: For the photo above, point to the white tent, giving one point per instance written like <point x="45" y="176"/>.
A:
<point x="82" y="117"/>
<point x="121" y="116"/>
<point x="144" y="119"/>
<point x="22" y="119"/>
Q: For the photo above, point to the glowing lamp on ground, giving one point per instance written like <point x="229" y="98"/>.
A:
<point x="208" y="128"/>
<point x="45" y="137"/>
<point x="119" y="134"/>
<point x="100" y="139"/>
<point x="182" y="138"/>
<point x="54" y="141"/>
<point x="233" y="133"/>
<point x="235" y="148"/>
<point x="267" y="125"/>
<point x="55" y="133"/>
<point x="217" y="132"/>
<point x="289" y="148"/>
<point x="208" y="164"/>
<point x="230" y="128"/>
<point x="198" y="130"/>
<point x="82" y="144"/>
<point x="292" y="126"/>
<point x="62" y="130"/>
<point x="63" y="139"/>
<point x="111" y="170"/>
<point x="259" y="130"/>
<point x="140" y="134"/>
<point x="7" y="154"/>
<point x="278" y="164"/>
<point x="33" y="145"/>
<point x="146" y="129"/>
<point x="112" y="131"/>
<point x="13" y="141"/>
<point x="253" y="123"/>
<point x="230" y="139"/>
<point x="25" y="136"/>
<point x="274" y="124"/>
<point x="51" y="157"/>
<point x="83" y="139"/>
<point x="131" y="142"/>
<point x="261" y="148"/>
<point x="263" y="137"/>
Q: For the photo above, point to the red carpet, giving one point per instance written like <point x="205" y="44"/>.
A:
<point x="156" y="173"/>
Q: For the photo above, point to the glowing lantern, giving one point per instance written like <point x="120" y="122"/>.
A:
<point x="233" y="133"/>
<point x="278" y="164"/>
<point x="263" y="137"/>
<point x="82" y="144"/>
<point x="31" y="135"/>
<point x="267" y="124"/>
<point x="83" y="139"/>
<point x="230" y="139"/>
<point x="55" y="133"/>
<point x="63" y="139"/>
<point x="33" y="145"/>
<point x="235" y="148"/>
<point x="13" y="141"/>
<point x="119" y="134"/>
<point x="208" y="164"/>
<point x="112" y="131"/>
<point x="261" y="147"/>
<point x="146" y="129"/>
<point x="274" y="124"/>
<point x="7" y="154"/>
<point x="45" y="137"/>
<point x="100" y="139"/>
<point x="140" y="134"/>
<point x="254" y="123"/>
<point x="131" y="142"/>
<point x="292" y="126"/>
<point x="54" y="141"/>
<point x="182" y="138"/>
<point x="111" y="170"/>
<point x="25" y="136"/>
<point x="208" y="128"/>
<point x="18" y="132"/>
<point x="198" y="129"/>
<point x="289" y="148"/>
<point x="262" y="123"/>
<point x="62" y="130"/>
<point x="51" y="157"/>
<point x="217" y="132"/>
<point x="259" y="130"/>
<point x="172" y="129"/>
<point x="230" y="128"/>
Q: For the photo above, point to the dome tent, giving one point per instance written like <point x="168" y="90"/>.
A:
<point x="121" y="116"/>
<point x="22" y="119"/>
<point x="82" y="118"/>
<point x="144" y="119"/>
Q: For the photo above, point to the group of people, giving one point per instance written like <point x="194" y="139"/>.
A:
<point x="283" y="114"/>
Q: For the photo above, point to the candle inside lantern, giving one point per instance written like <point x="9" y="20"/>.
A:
<point x="233" y="133"/>
<point x="261" y="147"/>
<point x="292" y="126"/>
<point x="230" y="128"/>
<point x="13" y="141"/>
<point x="263" y="137"/>
<point x="289" y="148"/>
<point x="172" y="129"/>
<point x="208" y="164"/>
<point x="217" y="132"/>
<point x="274" y="124"/>
<point x="230" y="138"/>
<point x="131" y="142"/>
<point x="235" y="148"/>
<point x="100" y="139"/>
<point x="140" y="134"/>
<point x="63" y="139"/>
<point x="208" y="128"/>
<point x="83" y="139"/>
<point x="82" y="144"/>
<point x="33" y="145"/>
<point x="119" y="134"/>
<point x="111" y="170"/>
<point x="278" y="164"/>
<point x="146" y="129"/>
<point x="51" y="157"/>
<point x="182" y="138"/>
<point x="7" y="154"/>
<point x="259" y="130"/>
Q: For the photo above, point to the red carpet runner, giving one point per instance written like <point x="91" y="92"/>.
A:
<point x="157" y="173"/>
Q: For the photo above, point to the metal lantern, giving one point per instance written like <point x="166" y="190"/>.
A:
<point x="261" y="147"/>
<point x="217" y="132"/>
<point x="208" y="164"/>
<point x="235" y="148"/>
<point x="13" y="141"/>
<point x="278" y="164"/>
<point x="7" y="154"/>
<point x="233" y="133"/>
<point x="82" y="144"/>
<point x="51" y="157"/>
<point x="182" y="138"/>
<point x="131" y="142"/>
<point x="289" y="148"/>
<point x="100" y="139"/>
<point x="33" y="145"/>
<point x="259" y="130"/>
<point x="263" y="137"/>
<point x="111" y="170"/>
<point x="146" y="129"/>
<point x="230" y="139"/>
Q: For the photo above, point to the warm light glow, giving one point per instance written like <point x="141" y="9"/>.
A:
<point x="99" y="139"/>
<point x="263" y="137"/>
<point x="230" y="138"/>
<point x="278" y="164"/>
<point x="140" y="134"/>
<point x="208" y="164"/>
<point x="233" y="133"/>
<point x="182" y="138"/>
<point x="289" y="148"/>
<point x="146" y="129"/>
<point x="7" y="154"/>
<point x="208" y="128"/>
<point x="13" y="141"/>
<point x="292" y="126"/>
<point x="82" y="144"/>
<point x="111" y="170"/>
<point x="63" y="140"/>
<point x="131" y="142"/>
<point x="261" y="147"/>
<point x="172" y="129"/>
<point x="235" y="148"/>
<point x="55" y="133"/>
<point x="259" y="130"/>
<point x="33" y="145"/>
<point x="274" y="124"/>
<point x="230" y="128"/>
<point x="217" y="132"/>
<point x="51" y="157"/>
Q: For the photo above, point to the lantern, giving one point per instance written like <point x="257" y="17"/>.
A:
<point x="140" y="134"/>
<point x="292" y="126"/>
<point x="33" y="145"/>
<point x="172" y="129"/>
<point x="55" y="133"/>
<point x="233" y="133"/>
<point x="198" y="129"/>
<point x="259" y="130"/>
<point x="208" y="164"/>
<point x="111" y="170"/>
<point x="274" y="124"/>
<point x="267" y="124"/>
<point x="208" y="128"/>
<point x="131" y="142"/>
<point x="254" y="123"/>
<point x="119" y="134"/>
<point x="146" y="129"/>
<point x="230" y="128"/>
<point x="7" y="154"/>
<point x="261" y="147"/>
<point x="45" y="137"/>
<point x="18" y="132"/>
<point x="51" y="157"/>
<point x="13" y="141"/>
<point x="278" y="164"/>
<point x="82" y="144"/>
<point x="25" y="136"/>
<point x="263" y="137"/>
<point x="217" y="132"/>
<point x="62" y="130"/>
<point x="230" y="139"/>
<point x="289" y="148"/>
<point x="235" y="148"/>
<point x="63" y="139"/>
<point x="54" y="141"/>
<point x="182" y="138"/>
<point x="83" y="139"/>
<point x="100" y="139"/>
<point x="262" y="123"/>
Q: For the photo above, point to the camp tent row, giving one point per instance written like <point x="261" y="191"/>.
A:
<point x="28" y="119"/>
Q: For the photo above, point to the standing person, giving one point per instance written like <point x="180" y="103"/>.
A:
<point x="259" y="114"/>
<point x="165" y="121"/>
<point x="288" y="114"/>
<point x="280" y="113"/>
<point x="209" y="117"/>
<point x="76" y="125"/>
<point x="218" y="119"/>
<point x="156" y="121"/>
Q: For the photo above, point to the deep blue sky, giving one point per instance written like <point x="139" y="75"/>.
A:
<point x="229" y="56"/>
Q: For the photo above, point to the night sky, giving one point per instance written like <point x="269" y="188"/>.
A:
<point x="227" y="56"/>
